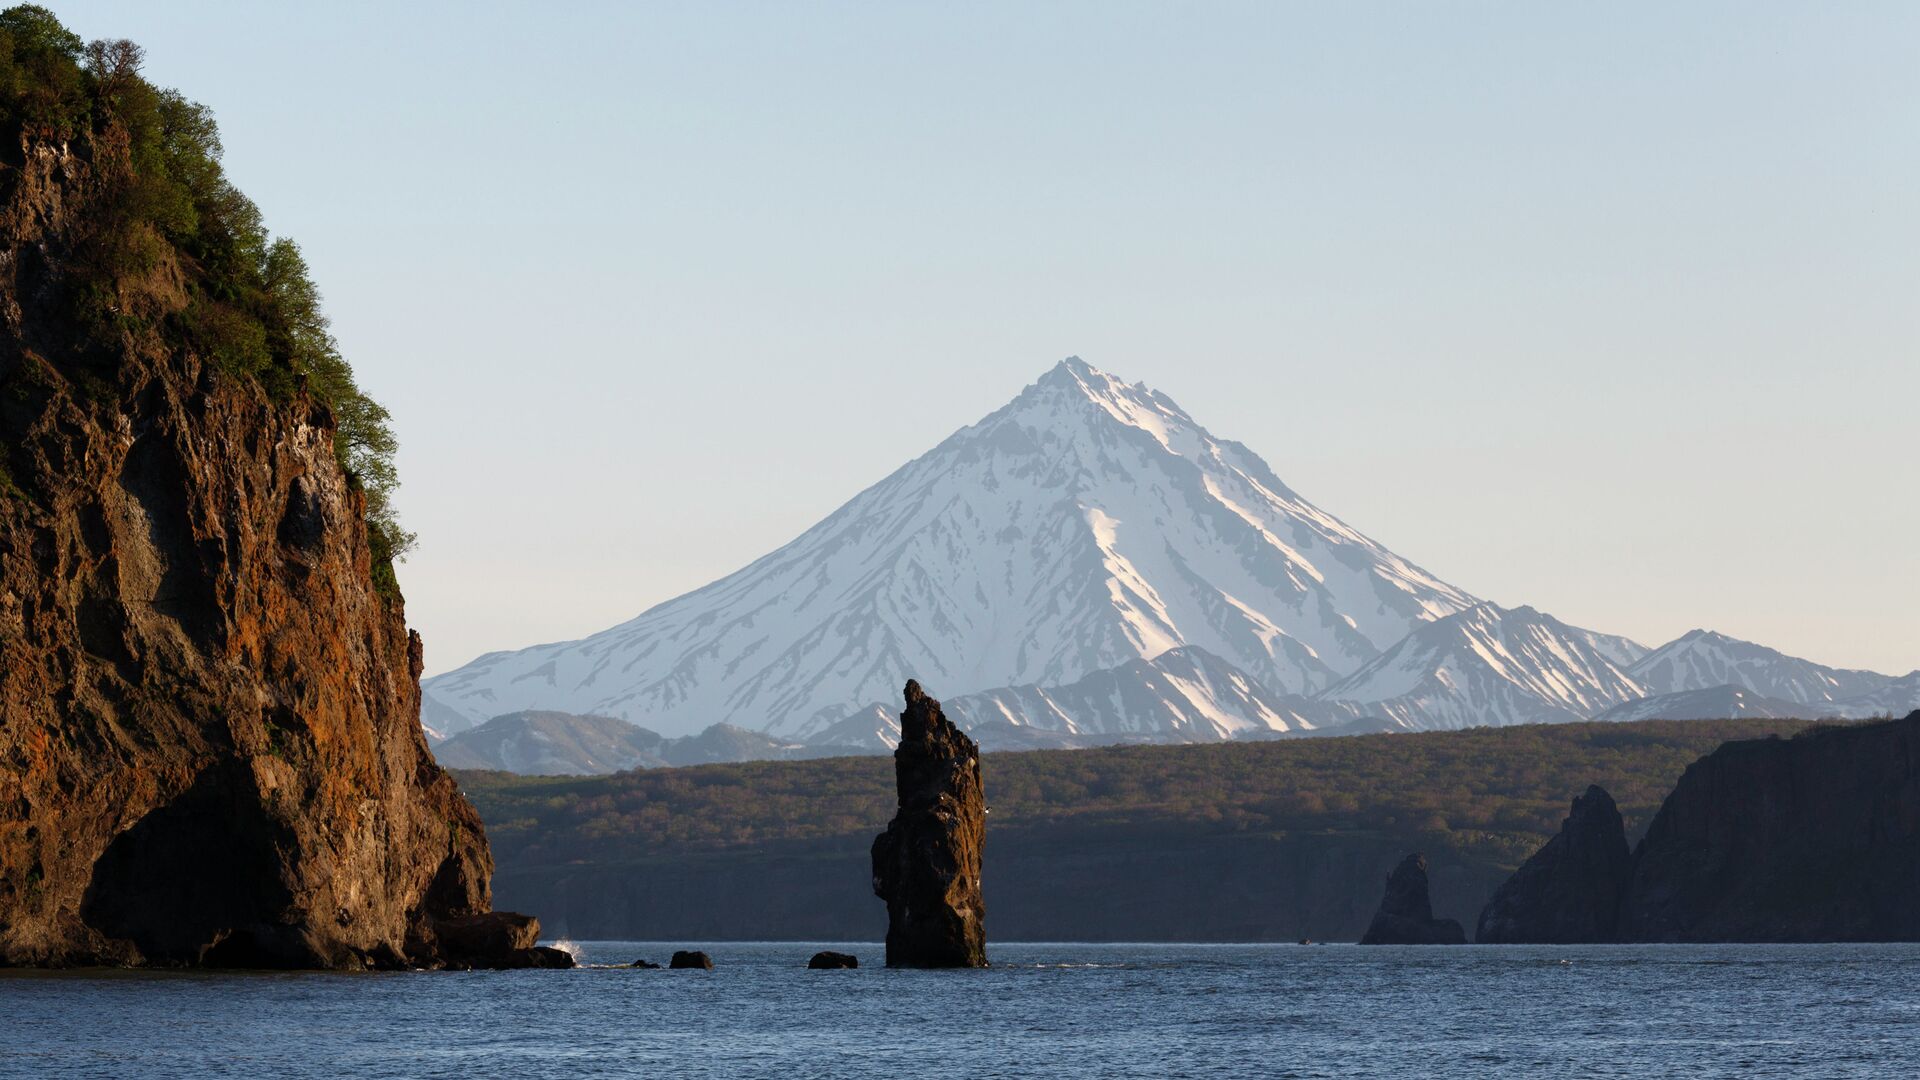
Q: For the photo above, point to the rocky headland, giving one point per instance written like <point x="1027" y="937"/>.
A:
<point x="926" y="866"/>
<point x="1406" y="911"/>
<point x="210" y="750"/>
<point x="1804" y="839"/>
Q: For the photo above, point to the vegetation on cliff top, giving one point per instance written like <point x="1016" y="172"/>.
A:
<point x="251" y="305"/>
<point x="1506" y="786"/>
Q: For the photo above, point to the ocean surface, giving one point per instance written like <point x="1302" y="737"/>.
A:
<point x="1077" y="1010"/>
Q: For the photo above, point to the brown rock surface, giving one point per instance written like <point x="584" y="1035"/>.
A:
<point x="926" y="866"/>
<point x="209" y="742"/>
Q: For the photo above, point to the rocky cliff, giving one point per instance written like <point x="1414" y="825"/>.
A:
<point x="1569" y="891"/>
<point x="209" y="742"/>
<point x="1406" y="911"/>
<point x="926" y="866"/>
<point x="1812" y="838"/>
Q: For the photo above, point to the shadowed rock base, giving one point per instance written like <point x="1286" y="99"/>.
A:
<point x="1406" y="912"/>
<point x="926" y="866"/>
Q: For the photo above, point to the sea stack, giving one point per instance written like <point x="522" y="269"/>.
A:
<point x="1568" y="893"/>
<point x="926" y="866"/>
<point x="210" y="749"/>
<point x="1406" y="912"/>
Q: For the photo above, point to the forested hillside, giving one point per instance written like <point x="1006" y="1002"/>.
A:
<point x="1270" y="840"/>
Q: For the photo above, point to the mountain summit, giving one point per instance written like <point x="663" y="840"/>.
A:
<point x="1088" y="523"/>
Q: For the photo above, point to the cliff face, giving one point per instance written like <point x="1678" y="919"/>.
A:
<point x="1406" y="911"/>
<point x="209" y="747"/>
<point x="1813" y="838"/>
<point x="926" y="866"/>
<point x="1569" y="891"/>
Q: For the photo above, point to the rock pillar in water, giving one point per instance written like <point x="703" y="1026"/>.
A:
<point x="1406" y="913"/>
<point x="926" y="866"/>
<point x="1569" y="892"/>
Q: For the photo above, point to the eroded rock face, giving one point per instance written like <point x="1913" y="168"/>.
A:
<point x="1812" y="838"/>
<point x="926" y="866"/>
<point x="209" y="742"/>
<point x="1406" y="911"/>
<point x="1569" y="891"/>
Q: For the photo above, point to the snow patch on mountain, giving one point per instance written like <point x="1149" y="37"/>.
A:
<point x="1702" y="659"/>
<point x="1184" y="695"/>
<point x="1490" y="665"/>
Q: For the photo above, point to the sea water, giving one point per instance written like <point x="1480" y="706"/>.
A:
<point x="1080" y="1010"/>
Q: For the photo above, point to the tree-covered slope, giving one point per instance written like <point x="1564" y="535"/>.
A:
<point x="1250" y="840"/>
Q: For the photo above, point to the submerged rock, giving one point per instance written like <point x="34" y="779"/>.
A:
<point x="687" y="959"/>
<point x="1406" y="912"/>
<point x="825" y="960"/>
<point x="926" y="866"/>
<point x="1569" y="892"/>
<point x="1812" y="838"/>
<point x="645" y="964"/>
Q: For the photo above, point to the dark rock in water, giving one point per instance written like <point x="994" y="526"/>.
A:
<point x="926" y="866"/>
<point x="492" y="939"/>
<point x="1812" y="838"/>
<point x="1569" y="892"/>
<point x="210" y="749"/>
<point x="685" y="959"/>
<point x="540" y="956"/>
<point x="645" y="964"/>
<point x="825" y="960"/>
<point x="1406" y="912"/>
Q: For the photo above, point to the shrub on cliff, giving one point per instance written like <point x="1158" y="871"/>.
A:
<point x="251" y="305"/>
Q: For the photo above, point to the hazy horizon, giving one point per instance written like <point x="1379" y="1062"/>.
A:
<point x="1607" y="313"/>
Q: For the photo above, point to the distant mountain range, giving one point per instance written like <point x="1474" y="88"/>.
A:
<point x="1089" y="565"/>
<point x="545" y="743"/>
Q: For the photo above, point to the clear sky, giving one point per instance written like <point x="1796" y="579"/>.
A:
<point x="1608" y="309"/>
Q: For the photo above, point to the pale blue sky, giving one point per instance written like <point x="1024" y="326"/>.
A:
<point x="1609" y="309"/>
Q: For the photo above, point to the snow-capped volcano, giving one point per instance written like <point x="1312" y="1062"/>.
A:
<point x="1086" y="524"/>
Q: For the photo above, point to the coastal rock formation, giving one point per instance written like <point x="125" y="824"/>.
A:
<point x="685" y="960"/>
<point x="1569" y="891"/>
<point x="1812" y="838"/>
<point x="1406" y="912"/>
<point x="210" y="751"/>
<point x="926" y="866"/>
<point x="824" y="961"/>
